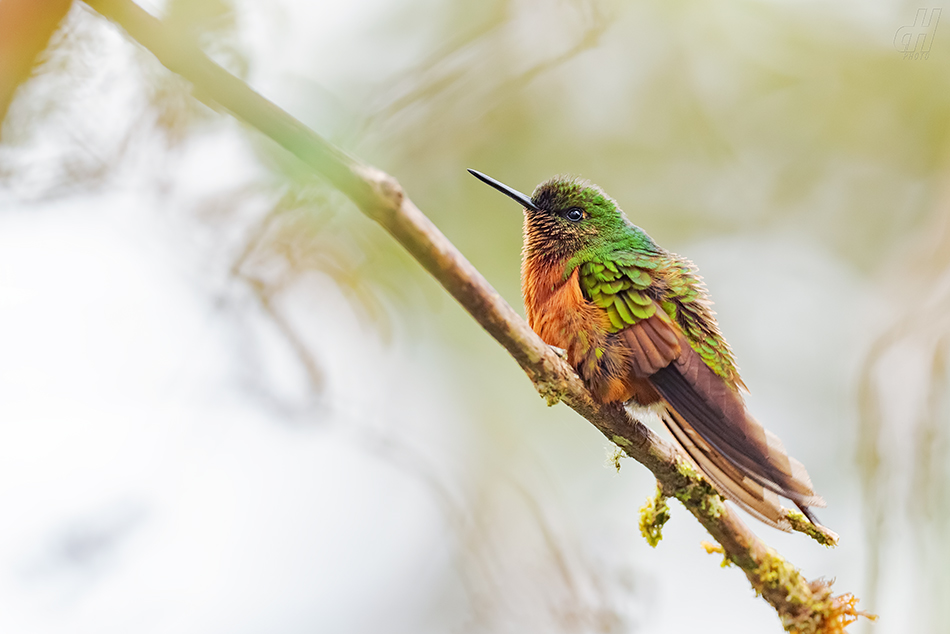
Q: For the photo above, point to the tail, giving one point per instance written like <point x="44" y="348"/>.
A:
<point x="750" y="493"/>
<point x="708" y="418"/>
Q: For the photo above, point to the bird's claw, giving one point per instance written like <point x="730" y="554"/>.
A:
<point x="561" y="352"/>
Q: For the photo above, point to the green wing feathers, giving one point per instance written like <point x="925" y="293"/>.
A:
<point x="629" y="286"/>
<point x="684" y="298"/>
<point x="621" y="290"/>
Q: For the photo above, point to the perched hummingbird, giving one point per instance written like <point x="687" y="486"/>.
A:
<point x="637" y="326"/>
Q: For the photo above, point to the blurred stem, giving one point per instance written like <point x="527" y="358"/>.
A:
<point x="803" y="606"/>
<point x="26" y="27"/>
<point x="265" y="296"/>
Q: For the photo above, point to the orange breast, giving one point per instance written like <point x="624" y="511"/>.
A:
<point x="557" y="310"/>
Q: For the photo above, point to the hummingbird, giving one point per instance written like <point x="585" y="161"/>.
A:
<point x="637" y="325"/>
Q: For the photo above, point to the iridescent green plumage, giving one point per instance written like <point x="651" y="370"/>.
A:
<point x="623" y="285"/>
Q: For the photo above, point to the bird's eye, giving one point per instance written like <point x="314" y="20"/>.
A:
<point x="574" y="214"/>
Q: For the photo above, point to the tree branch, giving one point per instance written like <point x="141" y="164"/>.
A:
<point x="803" y="606"/>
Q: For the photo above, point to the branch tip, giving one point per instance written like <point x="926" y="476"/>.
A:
<point x="821" y="534"/>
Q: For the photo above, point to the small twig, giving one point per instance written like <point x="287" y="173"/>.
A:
<point x="265" y="295"/>
<point x="803" y="606"/>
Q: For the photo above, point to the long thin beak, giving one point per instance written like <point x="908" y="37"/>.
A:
<point x="504" y="189"/>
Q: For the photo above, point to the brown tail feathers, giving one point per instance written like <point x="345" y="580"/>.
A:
<point x="747" y="463"/>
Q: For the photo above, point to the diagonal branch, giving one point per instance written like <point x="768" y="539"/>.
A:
<point x="804" y="606"/>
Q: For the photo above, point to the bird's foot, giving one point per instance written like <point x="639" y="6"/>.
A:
<point x="561" y="352"/>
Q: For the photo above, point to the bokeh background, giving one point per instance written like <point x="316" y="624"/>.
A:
<point x="229" y="403"/>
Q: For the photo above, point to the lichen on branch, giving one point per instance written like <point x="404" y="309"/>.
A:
<point x="653" y="515"/>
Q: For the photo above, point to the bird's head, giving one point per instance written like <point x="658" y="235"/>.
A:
<point x="567" y="216"/>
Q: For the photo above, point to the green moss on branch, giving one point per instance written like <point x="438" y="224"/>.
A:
<point x="698" y="493"/>
<point x="820" y="534"/>
<point x="653" y="515"/>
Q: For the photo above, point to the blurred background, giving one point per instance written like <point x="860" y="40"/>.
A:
<point x="230" y="403"/>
